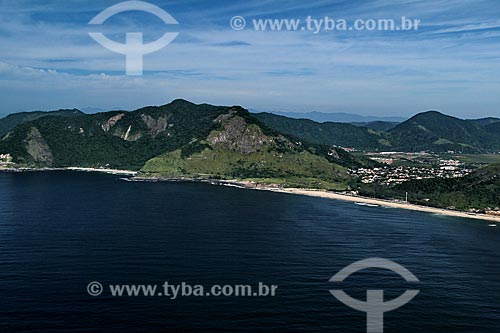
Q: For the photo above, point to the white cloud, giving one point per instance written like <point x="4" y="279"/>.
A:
<point x="52" y="64"/>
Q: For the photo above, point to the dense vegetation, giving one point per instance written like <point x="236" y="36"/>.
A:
<point x="485" y="121"/>
<point x="179" y="139"/>
<point x="240" y="147"/>
<point x="11" y="121"/>
<point x="378" y="125"/>
<point x="440" y="133"/>
<point x="427" y="131"/>
<point x="493" y="128"/>
<point x="340" y="134"/>
<point x="182" y="139"/>
<point x="82" y="141"/>
<point x="297" y="169"/>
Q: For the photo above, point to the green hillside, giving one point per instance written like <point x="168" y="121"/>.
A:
<point x="427" y="131"/>
<point x="340" y="134"/>
<point x="175" y="124"/>
<point x="241" y="148"/>
<point x="485" y="121"/>
<point x="179" y="139"/>
<point x="11" y="121"/>
<point x="117" y="139"/>
<point x="377" y="125"/>
<point x="437" y="132"/>
<point x="182" y="139"/>
<point x="493" y="128"/>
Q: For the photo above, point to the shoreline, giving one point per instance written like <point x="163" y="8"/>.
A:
<point x="386" y="203"/>
<point x="327" y="195"/>
<point x="374" y="202"/>
<point x="117" y="172"/>
<point x="278" y="189"/>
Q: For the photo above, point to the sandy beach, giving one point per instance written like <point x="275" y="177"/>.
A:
<point x="332" y="195"/>
<point x="384" y="203"/>
<point x="297" y="191"/>
<point x="110" y="171"/>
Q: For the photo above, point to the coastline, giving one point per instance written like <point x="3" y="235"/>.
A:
<point x="278" y="189"/>
<point x="361" y="200"/>
<point x="386" y="203"/>
<point x="108" y="171"/>
<point x="80" y="169"/>
<point x="327" y="195"/>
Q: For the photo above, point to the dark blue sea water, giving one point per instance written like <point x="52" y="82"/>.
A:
<point x="61" y="230"/>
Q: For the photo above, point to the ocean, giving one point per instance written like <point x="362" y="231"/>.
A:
<point x="62" y="231"/>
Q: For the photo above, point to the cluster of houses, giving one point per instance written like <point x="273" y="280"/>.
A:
<point x="396" y="175"/>
<point x="494" y="212"/>
<point x="5" y="159"/>
<point x="449" y="164"/>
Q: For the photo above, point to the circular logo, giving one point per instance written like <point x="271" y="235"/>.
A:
<point x="94" y="288"/>
<point x="238" y="23"/>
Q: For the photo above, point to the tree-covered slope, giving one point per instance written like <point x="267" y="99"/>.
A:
<point x="480" y="190"/>
<point x="437" y="132"/>
<point x="485" y="121"/>
<point x="493" y="128"/>
<point x="377" y="125"/>
<point x="240" y="147"/>
<point x="428" y="131"/>
<point x="11" y="121"/>
<point x="178" y="139"/>
<point x="118" y="139"/>
<point x="340" y="134"/>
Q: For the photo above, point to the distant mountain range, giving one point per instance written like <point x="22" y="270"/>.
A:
<point x="130" y="139"/>
<point x="485" y="121"/>
<point x="11" y="121"/>
<point x="438" y="132"/>
<point x="426" y="131"/>
<point x="329" y="133"/>
<point x="377" y="125"/>
<point x="185" y="140"/>
<point x="337" y="117"/>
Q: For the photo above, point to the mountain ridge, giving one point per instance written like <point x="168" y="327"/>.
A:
<point x="426" y="131"/>
<point x="337" y="117"/>
<point x="178" y="139"/>
<point x="435" y="131"/>
<point x="9" y="122"/>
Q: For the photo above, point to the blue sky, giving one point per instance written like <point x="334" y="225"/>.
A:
<point x="48" y="60"/>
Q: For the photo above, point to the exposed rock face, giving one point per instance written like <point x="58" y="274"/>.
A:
<point x="156" y="126"/>
<point x="127" y="133"/>
<point x="111" y="122"/>
<point x="38" y="148"/>
<point x="225" y="116"/>
<point x="125" y="137"/>
<point x="7" y="136"/>
<point x="334" y="154"/>
<point x="239" y="136"/>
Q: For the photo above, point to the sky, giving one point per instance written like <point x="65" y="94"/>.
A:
<point x="451" y="63"/>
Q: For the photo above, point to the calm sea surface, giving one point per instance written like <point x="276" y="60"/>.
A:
<point x="59" y="231"/>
